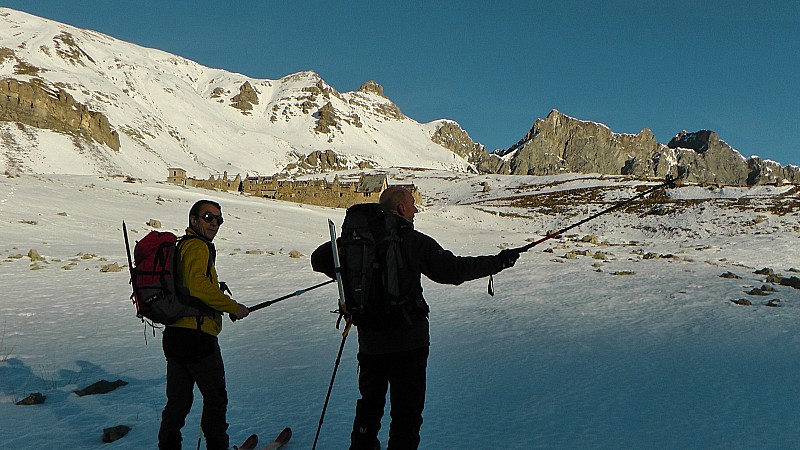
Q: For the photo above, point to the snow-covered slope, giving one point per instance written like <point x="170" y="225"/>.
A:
<point x="631" y="341"/>
<point x="173" y="112"/>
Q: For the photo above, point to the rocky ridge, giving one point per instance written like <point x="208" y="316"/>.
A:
<point x="562" y="144"/>
<point x="38" y="105"/>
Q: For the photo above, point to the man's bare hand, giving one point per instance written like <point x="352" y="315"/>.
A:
<point x="241" y="312"/>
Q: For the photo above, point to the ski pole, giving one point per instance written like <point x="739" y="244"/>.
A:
<point x="293" y="294"/>
<point x="199" y="435"/>
<point x="130" y="264"/>
<point x="330" y="388"/>
<point x="668" y="182"/>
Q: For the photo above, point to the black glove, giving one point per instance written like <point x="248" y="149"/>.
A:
<point x="507" y="258"/>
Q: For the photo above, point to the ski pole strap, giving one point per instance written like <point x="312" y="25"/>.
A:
<point x="347" y="324"/>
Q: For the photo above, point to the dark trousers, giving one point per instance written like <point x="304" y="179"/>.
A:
<point x="403" y="374"/>
<point x="208" y="372"/>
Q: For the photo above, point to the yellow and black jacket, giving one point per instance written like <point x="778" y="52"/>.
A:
<point x="197" y="281"/>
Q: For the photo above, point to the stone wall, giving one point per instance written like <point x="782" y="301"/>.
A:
<point x="39" y="106"/>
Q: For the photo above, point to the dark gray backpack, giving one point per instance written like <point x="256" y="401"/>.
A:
<point x="371" y="264"/>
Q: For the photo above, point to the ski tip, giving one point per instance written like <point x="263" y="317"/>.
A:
<point x="281" y="440"/>
<point x="285" y="435"/>
<point x="249" y="443"/>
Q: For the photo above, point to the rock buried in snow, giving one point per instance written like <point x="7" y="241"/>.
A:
<point x="623" y="272"/>
<point x="34" y="255"/>
<point x="791" y="281"/>
<point x="774" y="278"/>
<point x="114" y="433"/>
<point x="113" y="267"/>
<point x="775" y="302"/>
<point x="730" y="275"/>
<point x="34" y="399"/>
<point x="101" y="387"/>
<point x="756" y="291"/>
<point x="742" y="302"/>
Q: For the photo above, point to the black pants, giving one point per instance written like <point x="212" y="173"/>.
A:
<point x="403" y="374"/>
<point x="193" y="357"/>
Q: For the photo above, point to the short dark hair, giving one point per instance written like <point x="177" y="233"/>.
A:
<point x="198" y="205"/>
<point x="393" y="196"/>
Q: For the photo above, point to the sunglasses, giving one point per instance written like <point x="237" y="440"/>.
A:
<point x="208" y="217"/>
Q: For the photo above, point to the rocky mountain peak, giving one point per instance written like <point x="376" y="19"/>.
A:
<point x="562" y="144"/>
<point x="371" y="87"/>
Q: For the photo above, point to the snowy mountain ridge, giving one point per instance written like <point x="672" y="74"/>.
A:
<point x="76" y="101"/>
<point x="169" y="111"/>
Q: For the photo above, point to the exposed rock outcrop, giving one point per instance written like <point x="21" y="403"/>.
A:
<point x="561" y="144"/>
<point x="37" y="105"/>
<point x="451" y="136"/>
<point x="372" y="87"/>
<point x="712" y="161"/>
<point x="324" y="161"/>
<point x="246" y="98"/>
<point x="703" y="158"/>
<point x="384" y="107"/>
<point x="327" y="119"/>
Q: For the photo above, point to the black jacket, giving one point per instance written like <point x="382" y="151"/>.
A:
<point x="423" y="256"/>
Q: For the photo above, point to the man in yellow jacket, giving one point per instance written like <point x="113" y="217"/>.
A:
<point x="190" y="344"/>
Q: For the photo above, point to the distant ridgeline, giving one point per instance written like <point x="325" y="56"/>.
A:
<point x="561" y="144"/>
<point x="339" y="193"/>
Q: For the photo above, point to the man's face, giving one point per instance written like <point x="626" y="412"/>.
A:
<point x="207" y="223"/>
<point x="407" y="209"/>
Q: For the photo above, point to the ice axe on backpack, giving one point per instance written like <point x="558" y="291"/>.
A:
<point x="668" y="183"/>
<point x="293" y="294"/>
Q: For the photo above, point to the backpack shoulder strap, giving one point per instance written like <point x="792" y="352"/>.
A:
<point x="186" y="237"/>
<point x="195" y="303"/>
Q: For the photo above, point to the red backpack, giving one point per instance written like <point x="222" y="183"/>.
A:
<point x="154" y="270"/>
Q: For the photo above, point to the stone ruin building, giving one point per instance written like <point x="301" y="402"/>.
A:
<point x="342" y="192"/>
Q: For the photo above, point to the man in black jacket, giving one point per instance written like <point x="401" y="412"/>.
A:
<point x="397" y="357"/>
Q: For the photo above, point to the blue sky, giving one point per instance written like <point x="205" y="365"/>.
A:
<point x="728" y="66"/>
